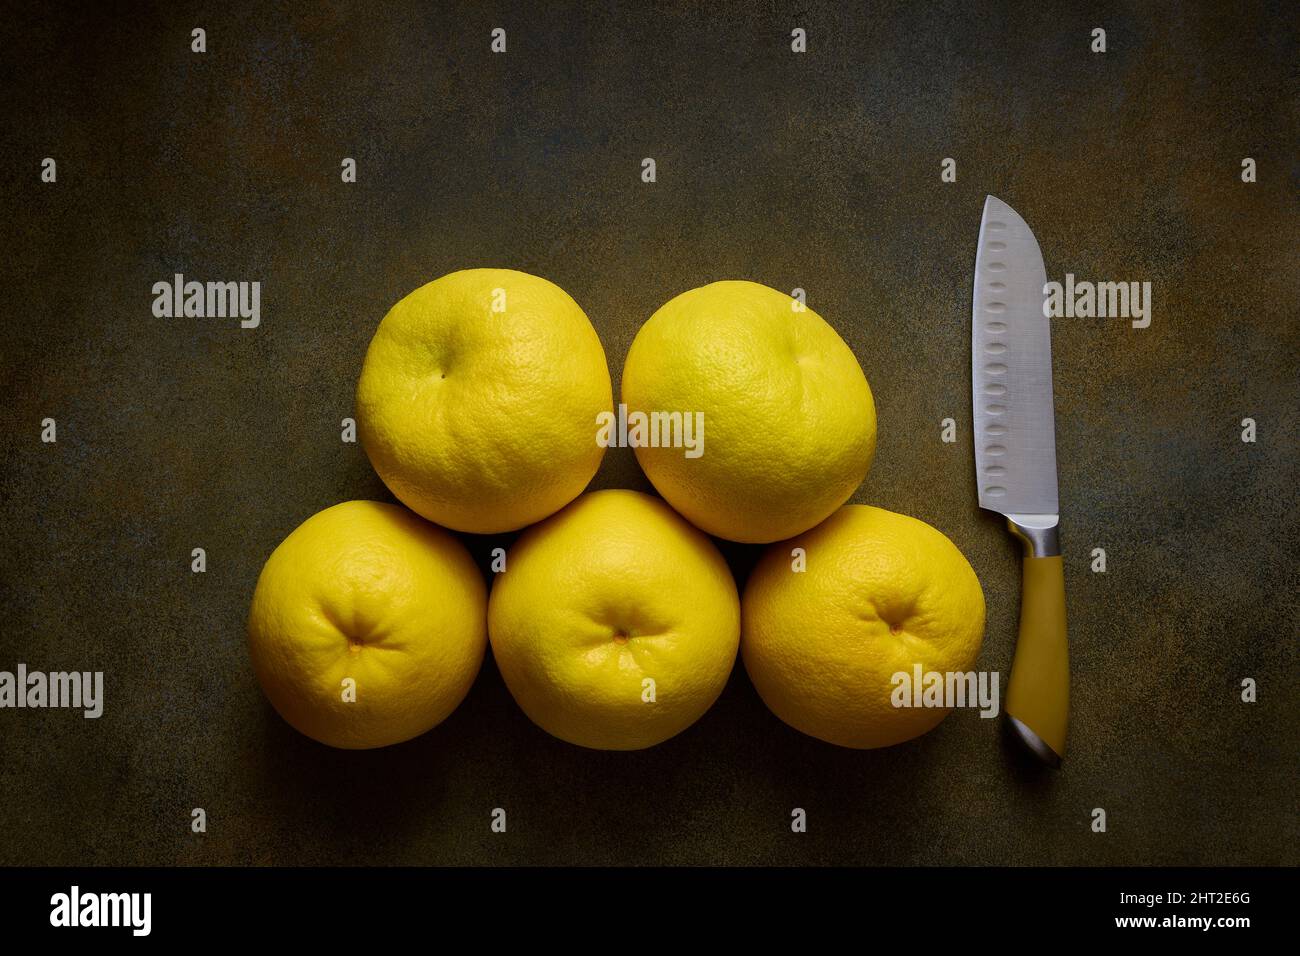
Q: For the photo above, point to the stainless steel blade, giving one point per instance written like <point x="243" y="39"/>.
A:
<point x="1011" y="371"/>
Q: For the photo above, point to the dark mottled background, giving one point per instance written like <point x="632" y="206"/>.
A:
<point x="819" y="171"/>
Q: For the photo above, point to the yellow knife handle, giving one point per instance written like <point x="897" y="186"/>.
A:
<point x="1038" y="695"/>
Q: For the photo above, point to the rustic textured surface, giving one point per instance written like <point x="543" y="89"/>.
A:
<point x="818" y="171"/>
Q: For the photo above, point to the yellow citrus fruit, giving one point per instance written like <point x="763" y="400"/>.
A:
<point x="789" y="423"/>
<point x="368" y="625"/>
<point x="478" y="399"/>
<point x="615" y="623"/>
<point x="880" y="593"/>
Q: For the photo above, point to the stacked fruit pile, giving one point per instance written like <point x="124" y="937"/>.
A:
<point x="614" y="620"/>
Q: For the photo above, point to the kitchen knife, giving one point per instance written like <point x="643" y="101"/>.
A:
<point x="1015" y="463"/>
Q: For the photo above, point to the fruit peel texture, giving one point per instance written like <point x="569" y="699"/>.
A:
<point x="479" y="420"/>
<point x="612" y="590"/>
<point x="367" y="591"/>
<point x="789" y="419"/>
<point x="882" y="593"/>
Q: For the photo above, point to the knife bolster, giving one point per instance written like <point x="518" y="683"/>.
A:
<point x="1038" y="533"/>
